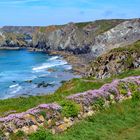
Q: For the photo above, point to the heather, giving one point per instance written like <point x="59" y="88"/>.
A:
<point x="63" y="115"/>
<point x="68" y="88"/>
<point x="119" y="122"/>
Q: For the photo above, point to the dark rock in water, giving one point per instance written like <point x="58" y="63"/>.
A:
<point x="51" y="70"/>
<point x="29" y="81"/>
<point x="14" y="81"/>
<point x="43" y="84"/>
<point x="62" y="82"/>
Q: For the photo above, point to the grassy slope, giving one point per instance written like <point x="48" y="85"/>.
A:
<point x="102" y="25"/>
<point x="119" y="122"/>
<point x="70" y="87"/>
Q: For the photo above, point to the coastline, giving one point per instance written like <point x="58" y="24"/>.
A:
<point x="51" y="88"/>
<point x="79" y="63"/>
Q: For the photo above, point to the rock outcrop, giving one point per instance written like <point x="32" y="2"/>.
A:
<point x="77" y="38"/>
<point x="94" y="38"/>
<point x="86" y="41"/>
<point x="123" y="34"/>
<point x="14" y="40"/>
<point x="116" y="61"/>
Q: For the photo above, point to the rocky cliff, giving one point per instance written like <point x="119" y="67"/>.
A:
<point x="123" y="34"/>
<point x="116" y="61"/>
<point x="93" y="38"/>
<point x="86" y="40"/>
<point x="77" y="38"/>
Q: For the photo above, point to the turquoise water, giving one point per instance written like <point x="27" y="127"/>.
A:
<point x="22" y="71"/>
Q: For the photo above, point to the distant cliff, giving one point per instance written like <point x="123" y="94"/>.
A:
<point x="90" y="38"/>
<point x="77" y="38"/>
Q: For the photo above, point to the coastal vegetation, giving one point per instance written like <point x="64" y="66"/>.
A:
<point x="71" y="109"/>
<point x="103" y="104"/>
<point x="71" y="87"/>
<point x="119" y="122"/>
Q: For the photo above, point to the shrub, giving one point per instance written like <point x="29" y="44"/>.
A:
<point x="99" y="104"/>
<point x="43" y="113"/>
<point x="123" y="88"/>
<point x="17" y="136"/>
<point x="136" y="96"/>
<point x="1" y="134"/>
<point x="133" y="87"/>
<point x="41" y="134"/>
<point x="69" y="108"/>
<point x="42" y="29"/>
<point x="20" y="134"/>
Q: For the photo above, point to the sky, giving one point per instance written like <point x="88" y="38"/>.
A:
<point x="51" y="12"/>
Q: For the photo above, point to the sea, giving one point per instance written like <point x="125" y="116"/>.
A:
<point x="25" y="73"/>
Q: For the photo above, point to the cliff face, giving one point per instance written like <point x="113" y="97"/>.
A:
<point x="116" y="61"/>
<point x="92" y="38"/>
<point x="77" y="38"/>
<point x="13" y="40"/>
<point x="16" y="36"/>
<point x="123" y="34"/>
<point x="95" y="38"/>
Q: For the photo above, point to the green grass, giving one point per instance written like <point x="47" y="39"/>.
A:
<point x="101" y="26"/>
<point x="119" y="122"/>
<point x="71" y="87"/>
<point x="135" y="47"/>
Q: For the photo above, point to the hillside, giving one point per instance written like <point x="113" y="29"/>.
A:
<point x="116" y="61"/>
<point x="60" y="121"/>
<point x="78" y="38"/>
<point x="104" y="104"/>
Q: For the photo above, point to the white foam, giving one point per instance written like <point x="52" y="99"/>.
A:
<point x="13" y="86"/>
<point x="45" y="66"/>
<point x="16" y="89"/>
<point x="54" y="58"/>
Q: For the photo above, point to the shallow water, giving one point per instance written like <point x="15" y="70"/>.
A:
<point x="22" y="71"/>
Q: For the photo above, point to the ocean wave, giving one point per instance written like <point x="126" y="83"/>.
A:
<point x="45" y="66"/>
<point x="13" y="86"/>
<point x="53" y="58"/>
<point x="16" y="90"/>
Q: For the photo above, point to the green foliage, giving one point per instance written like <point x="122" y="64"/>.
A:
<point x="82" y="24"/>
<point x="133" y="87"/>
<point x="98" y="104"/>
<point x="136" y="96"/>
<point x="69" y="108"/>
<point x="42" y="29"/>
<point x="119" y="122"/>
<point x="1" y="133"/>
<point x="71" y="87"/>
<point x="135" y="47"/>
<point x="41" y="134"/>
<point x="129" y="61"/>
<point x="101" y="25"/>
<point x="20" y="134"/>
<point x="123" y="88"/>
<point x="43" y="113"/>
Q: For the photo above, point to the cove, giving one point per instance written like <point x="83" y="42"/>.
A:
<point x="25" y="73"/>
